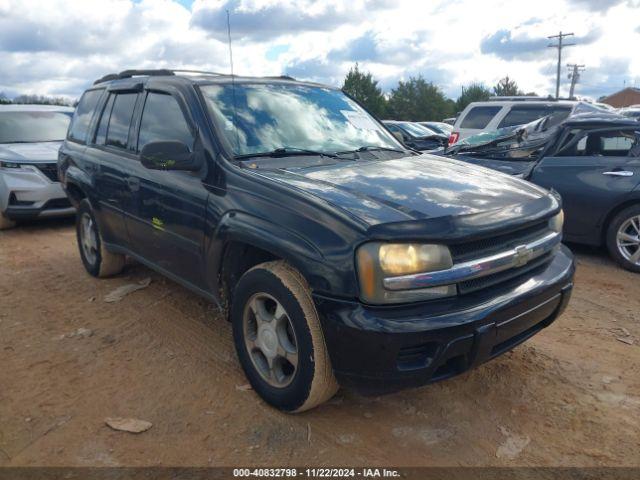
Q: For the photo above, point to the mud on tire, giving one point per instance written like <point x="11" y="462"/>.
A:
<point x="311" y="381"/>
<point x="97" y="260"/>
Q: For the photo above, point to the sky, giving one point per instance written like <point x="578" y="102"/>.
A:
<point x="58" y="47"/>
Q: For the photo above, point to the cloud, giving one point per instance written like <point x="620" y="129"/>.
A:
<point x="315" y="69"/>
<point x="371" y="47"/>
<point x="505" y="46"/>
<point x="508" y="47"/>
<point x="596" y="5"/>
<point x="260" y="23"/>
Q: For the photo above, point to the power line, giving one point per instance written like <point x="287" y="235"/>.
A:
<point x="574" y="76"/>
<point x="560" y="45"/>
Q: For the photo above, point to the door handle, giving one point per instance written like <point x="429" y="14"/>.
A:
<point x="619" y="173"/>
<point x="133" y="183"/>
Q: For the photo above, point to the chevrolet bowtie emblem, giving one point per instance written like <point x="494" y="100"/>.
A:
<point x="522" y="256"/>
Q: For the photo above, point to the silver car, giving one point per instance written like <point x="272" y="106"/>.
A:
<point x="30" y="136"/>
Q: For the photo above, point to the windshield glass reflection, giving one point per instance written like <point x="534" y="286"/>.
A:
<point x="275" y="116"/>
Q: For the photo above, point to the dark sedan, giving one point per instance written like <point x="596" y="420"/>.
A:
<point x="592" y="160"/>
<point x="417" y="136"/>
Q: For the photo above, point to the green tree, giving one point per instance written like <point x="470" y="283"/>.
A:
<point x="364" y="88"/>
<point x="3" y="99"/>
<point x="41" y="100"/>
<point x="507" y="88"/>
<point x="476" y="92"/>
<point x="417" y="100"/>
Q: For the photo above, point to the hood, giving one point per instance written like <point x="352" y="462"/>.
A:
<point x="422" y="193"/>
<point x="30" y="152"/>
<point x="510" y="167"/>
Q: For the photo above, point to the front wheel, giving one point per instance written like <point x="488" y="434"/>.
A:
<point x="279" y="340"/>
<point x="623" y="238"/>
<point x="97" y="260"/>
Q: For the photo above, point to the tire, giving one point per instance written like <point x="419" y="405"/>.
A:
<point x="6" y="223"/>
<point x="296" y="326"/>
<point x="625" y="249"/>
<point x="97" y="260"/>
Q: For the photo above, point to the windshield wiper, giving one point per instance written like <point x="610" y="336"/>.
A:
<point x="372" y="148"/>
<point x="286" y="152"/>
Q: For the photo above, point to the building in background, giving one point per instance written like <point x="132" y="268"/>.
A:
<point x="624" y="98"/>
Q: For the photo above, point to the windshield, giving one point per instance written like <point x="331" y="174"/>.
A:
<point x="276" y="116"/>
<point x="416" y="130"/>
<point x="27" y="127"/>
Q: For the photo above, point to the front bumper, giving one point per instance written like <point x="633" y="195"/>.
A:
<point x="28" y="193"/>
<point x="382" y="349"/>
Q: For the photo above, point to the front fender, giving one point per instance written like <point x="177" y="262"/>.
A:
<point x="74" y="177"/>
<point x="319" y="271"/>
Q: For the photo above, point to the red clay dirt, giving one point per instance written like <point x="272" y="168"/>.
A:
<point x="568" y="397"/>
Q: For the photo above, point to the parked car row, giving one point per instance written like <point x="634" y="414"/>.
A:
<point x="591" y="159"/>
<point x="343" y="254"/>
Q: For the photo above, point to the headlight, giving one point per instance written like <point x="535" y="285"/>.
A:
<point x="4" y="164"/>
<point x="557" y="222"/>
<point x="376" y="261"/>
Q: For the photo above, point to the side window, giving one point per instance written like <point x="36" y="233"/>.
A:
<point x="120" y="119"/>
<point x="479" y="117"/>
<point x="602" y="144"/>
<point x="79" y="126"/>
<point x="162" y="120"/>
<point x="520" y="115"/>
<point x="101" y="134"/>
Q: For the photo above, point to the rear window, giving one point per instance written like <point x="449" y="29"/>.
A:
<point x="479" y="117"/>
<point x="120" y="120"/>
<point x="82" y="117"/>
<point x="520" y="115"/>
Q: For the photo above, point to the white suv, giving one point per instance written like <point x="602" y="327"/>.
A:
<point x="502" y="112"/>
<point x="30" y="136"/>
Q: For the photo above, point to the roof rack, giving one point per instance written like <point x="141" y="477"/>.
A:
<point x="133" y="73"/>
<point x="165" y="72"/>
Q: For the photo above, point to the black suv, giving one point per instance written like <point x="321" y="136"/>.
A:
<point x="341" y="256"/>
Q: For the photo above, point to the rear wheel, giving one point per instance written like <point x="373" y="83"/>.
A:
<point x="6" y="223"/>
<point x="97" y="260"/>
<point x="279" y="340"/>
<point x="623" y="238"/>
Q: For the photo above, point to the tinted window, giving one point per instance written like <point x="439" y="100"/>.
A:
<point x="120" y="120"/>
<point x="101" y="134"/>
<point x="163" y="120"/>
<point x="609" y="144"/>
<point x="33" y="126"/>
<point x="479" y="117"/>
<point x="82" y="118"/>
<point x="520" y="115"/>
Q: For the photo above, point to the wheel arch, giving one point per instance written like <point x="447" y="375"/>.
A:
<point x="604" y="226"/>
<point x="242" y="241"/>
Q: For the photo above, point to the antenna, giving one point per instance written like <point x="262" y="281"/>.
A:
<point x="233" y="82"/>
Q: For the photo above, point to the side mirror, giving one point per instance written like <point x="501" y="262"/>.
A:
<point x="169" y="155"/>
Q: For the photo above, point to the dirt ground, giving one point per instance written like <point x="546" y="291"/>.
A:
<point x="568" y="397"/>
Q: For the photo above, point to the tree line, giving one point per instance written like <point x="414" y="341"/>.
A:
<point x="35" y="99"/>
<point x="417" y="99"/>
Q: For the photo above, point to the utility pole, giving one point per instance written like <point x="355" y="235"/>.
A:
<point x="559" y="46"/>
<point x="574" y="76"/>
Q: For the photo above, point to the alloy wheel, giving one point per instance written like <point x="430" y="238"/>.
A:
<point x="88" y="238"/>
<point x="628" y="239"/>
<point x="270" y="340"/>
